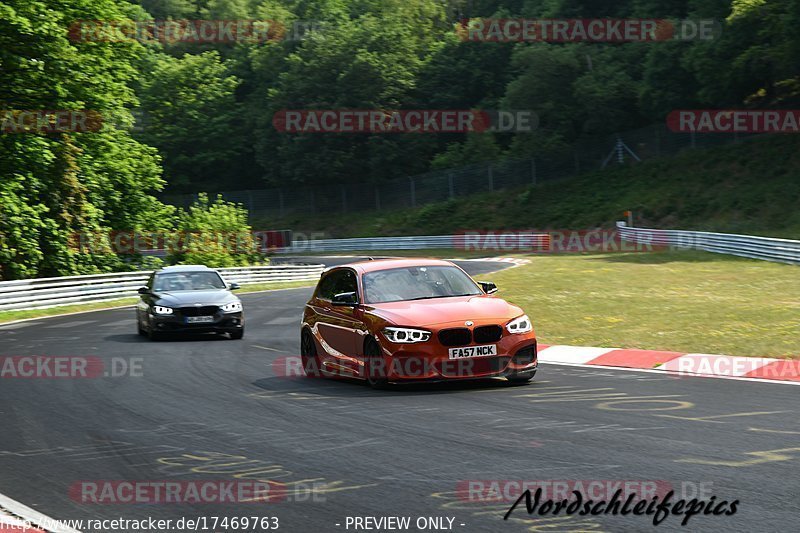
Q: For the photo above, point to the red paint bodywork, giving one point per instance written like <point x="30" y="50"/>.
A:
<point x="340" y="332"/>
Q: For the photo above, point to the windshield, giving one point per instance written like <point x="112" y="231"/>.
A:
<point x="417" y="283"/>
<point x="188" y="281"/>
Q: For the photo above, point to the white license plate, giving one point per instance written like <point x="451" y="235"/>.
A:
<point x="199" y="319"/>
<point x="473" y="351"/>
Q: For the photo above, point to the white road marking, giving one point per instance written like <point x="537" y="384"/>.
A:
<point x="675" y="375"/>
<point x="14" y="326"/>
<point x="35" y="517"/>
<point x="72" y="324"/>
<point x="283" y="321"/>
<point x="266" y="348"/>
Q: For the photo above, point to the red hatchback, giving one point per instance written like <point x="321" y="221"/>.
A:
<point x="413" y="319"/>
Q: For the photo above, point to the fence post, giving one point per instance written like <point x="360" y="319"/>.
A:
<point x="450" y="185"/>
<point x="491" y="178"/>
<point x="413" y="193"/>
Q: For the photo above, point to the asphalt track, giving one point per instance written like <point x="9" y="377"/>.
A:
<point x="216" y="409"/>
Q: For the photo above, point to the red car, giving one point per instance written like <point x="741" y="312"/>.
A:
<point x="413" y="319"/>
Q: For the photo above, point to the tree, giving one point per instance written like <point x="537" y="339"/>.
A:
<point x="56" y="185"/>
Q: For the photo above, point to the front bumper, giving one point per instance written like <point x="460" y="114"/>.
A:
<point x="223" y="323"/>
<point x="517" y="355"/>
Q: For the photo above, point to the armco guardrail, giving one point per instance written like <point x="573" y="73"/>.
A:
<point x="52" y="292"/>
<point x="765" y="248"/>
<point x="371" y="243"/>
<point x="423" y="242"/>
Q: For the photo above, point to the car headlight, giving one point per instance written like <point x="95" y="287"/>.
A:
<point x="406" y="335"/>
<point x="232" y="307"/>
<point x="159" y="310"/>
<point x="520" y="325"/>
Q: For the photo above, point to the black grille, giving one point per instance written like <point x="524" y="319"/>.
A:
<point x="455" y="337"/>
<point x="487" y="334"/>
<point x="208" y="310"/>
<point x="525" y="356"/>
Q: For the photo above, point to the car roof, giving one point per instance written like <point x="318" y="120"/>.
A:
<point x="186" y="268"/>
<point x="386" y="264"/>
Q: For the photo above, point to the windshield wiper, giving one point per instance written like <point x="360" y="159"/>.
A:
<point x="442" y="296"/>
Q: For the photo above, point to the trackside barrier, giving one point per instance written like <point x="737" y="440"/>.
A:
<point x="52" y="292"/>
<point x="423" y="242"/>
<point x="764" y="248"/>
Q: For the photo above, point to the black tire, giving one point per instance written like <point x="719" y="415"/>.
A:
<point x="376" y="374"/>
<point x="139" y="329"/>
<point x="308" y="354"/>
<point x="237" y="335"/>
<point x="154" y="335"/>
<point x="521" y="379"/>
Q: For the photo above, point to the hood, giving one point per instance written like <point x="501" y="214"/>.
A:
<point x="444" y="310"/>
<point x="188" y="298"/>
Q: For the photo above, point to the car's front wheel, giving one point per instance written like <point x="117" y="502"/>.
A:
<point x="308" y="354"/>
<point x="237" y="335"/>
<point x="154" y="335"/>
<point x="374" y="367"/>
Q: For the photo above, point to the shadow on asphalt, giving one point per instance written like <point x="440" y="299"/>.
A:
<point x="133" y="338"/>
<point x="344" y="387"/>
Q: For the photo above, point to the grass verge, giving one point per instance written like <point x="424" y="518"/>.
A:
<point x="677" y="301"/>
<point x="10" y="316"/>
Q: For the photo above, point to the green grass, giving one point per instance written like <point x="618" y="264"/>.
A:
<point x="752" y="187"/>
<point x="676" y="301"/>
<point x="10" y="316"/>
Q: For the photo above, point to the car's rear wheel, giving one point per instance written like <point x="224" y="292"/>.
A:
<point x="375" y="369"/>
<point x="308" y="354"/>
<point x="521" y="379"/>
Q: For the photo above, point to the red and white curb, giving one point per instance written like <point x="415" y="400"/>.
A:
<point x="688" y="364"/>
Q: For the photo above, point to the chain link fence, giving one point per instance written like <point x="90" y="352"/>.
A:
<point x="585" y="156"/>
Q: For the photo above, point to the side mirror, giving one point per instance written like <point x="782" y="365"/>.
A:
<point x="143" y="290"/>
<point x="488" y="287"/>
<point x="233" y="286"/>
<point x="349" y="299"/>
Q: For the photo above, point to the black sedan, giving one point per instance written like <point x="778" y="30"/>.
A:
<point x="188" y="298"/>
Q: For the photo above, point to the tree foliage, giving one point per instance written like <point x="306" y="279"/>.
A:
<point x="207" y="108"/>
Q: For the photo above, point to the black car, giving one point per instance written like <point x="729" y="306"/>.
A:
<point x="188" y="298"/>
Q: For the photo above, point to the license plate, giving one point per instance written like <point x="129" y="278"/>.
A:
<point x="199" y="319"/>
<point x="473" y="351"/>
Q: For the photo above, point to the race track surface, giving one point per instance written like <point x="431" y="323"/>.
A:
<point x="208" y="408"/>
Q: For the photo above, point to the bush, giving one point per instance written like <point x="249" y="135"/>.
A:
<point x="215" y="234"/>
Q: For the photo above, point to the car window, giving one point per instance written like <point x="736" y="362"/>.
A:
<point x="337" y="282"/>
<point x="188" y="281"/>
<point x="417" y="283"/>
